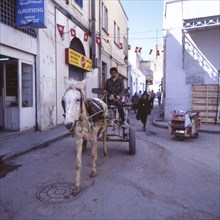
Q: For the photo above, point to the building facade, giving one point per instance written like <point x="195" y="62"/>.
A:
<point x="79" y="39"/>
<point x="137" y="79"/>
<point x="192" y="57"/>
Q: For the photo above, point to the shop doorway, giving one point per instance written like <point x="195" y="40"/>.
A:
<point x="9" y="110"/>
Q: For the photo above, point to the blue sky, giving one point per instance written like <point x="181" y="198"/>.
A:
<point x="145" y="24"/>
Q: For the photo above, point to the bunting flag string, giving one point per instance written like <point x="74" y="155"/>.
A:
<point x="106" y="40"/>
<point x="60" y="29"/>
<point x="73" y="32"/>
<point x="86" y="37"/>
<point x="99" y="41"/>
<point x="120" y="45"/>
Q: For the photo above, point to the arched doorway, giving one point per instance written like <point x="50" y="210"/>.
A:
<point x="74" y="71"/>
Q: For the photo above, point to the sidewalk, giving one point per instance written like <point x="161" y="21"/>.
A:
<point x="18" y="143"/>
<point x="158" y="121"/>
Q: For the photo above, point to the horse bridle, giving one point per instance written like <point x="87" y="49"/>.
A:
<point x="81" y="101"/>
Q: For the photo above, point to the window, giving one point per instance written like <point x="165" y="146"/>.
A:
<point x="12" y="79"/>
<point x="104" y="18"/>
<point x="125" y="45"/>
<point x="116" y="34"/>
<point x="27" y="85"/>
<point x="79" y="2"/>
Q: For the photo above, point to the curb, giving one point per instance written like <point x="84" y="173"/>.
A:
<point x="157" y="124"/>
<point x="29" y="148"/>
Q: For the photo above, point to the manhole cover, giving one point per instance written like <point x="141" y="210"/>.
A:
<point x="57" y="193"/>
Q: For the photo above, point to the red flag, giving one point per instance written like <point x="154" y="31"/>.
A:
<point x="120" y="45"/>
<point x="106" y="40"/>
<point x="136" y="49"/>
<point x="98" y="41"/>
<point x="60" y="29"/>
<point x="73" y="32"/>
<point x="86" y="37"/>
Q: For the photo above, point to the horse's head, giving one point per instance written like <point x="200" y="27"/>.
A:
<point x="72" y="103"/>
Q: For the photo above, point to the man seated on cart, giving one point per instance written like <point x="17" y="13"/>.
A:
<point x="115" y="89"/>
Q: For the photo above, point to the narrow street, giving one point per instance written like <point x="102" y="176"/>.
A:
<point x="166" y="179"/>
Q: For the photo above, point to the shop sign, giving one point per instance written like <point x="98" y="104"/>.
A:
<point x="30" y="14"/>
<point x="74" y="58"/>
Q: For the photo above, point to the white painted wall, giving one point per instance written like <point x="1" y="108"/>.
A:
<point x="179" y="75"/>
<point x="137" y="77"/>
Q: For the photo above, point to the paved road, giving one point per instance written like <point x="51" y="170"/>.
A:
<point x="166" y="179"/>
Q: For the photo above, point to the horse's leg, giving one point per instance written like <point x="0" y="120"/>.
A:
<point x="104" y="142"/>
<point x="94" y="153"/>
<point x="79" y="142"/>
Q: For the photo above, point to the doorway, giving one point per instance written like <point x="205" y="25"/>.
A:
<point x="9" y="111"/>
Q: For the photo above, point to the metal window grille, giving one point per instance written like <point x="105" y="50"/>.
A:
<point x="7" y="16"/>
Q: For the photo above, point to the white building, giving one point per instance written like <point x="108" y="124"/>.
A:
<point x="137" y="79"/>
<point x="81" y="39"/>
<point x="191" y="51"/>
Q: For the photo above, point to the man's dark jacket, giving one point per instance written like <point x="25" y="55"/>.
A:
<point x="115" y="88"/>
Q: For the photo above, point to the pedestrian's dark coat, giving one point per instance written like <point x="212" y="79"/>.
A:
<point x="144" y="109"/>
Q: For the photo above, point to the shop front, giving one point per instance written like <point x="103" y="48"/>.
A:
<point x="17" y="99"/>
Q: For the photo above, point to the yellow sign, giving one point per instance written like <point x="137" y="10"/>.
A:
<point x="77" y="59"/>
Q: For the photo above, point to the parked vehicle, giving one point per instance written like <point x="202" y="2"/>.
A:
<point x="185" y="124"/>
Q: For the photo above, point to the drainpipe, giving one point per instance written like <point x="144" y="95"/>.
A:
<point x="100" y="47"/>
<point x="36" y="94"/>
<point x="55" y="36"/>
<point x="93" y="35"/>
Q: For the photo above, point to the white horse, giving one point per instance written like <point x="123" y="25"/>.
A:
<point x="85" y="119"/>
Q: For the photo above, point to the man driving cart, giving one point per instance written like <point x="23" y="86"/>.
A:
<point x="115" y="89"/>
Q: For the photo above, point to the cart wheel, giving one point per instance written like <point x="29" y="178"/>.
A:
<point x="84" y="145"/>
<point x="132" y="142"/>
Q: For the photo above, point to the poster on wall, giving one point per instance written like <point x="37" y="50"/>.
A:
<point x="30" y="14"/>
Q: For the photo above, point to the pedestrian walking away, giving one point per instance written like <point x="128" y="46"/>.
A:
<point x="159" y="97"/>
<point x="152" y="97"/>
<point x="140" y="94"/>
<point x="134" y="100"/>
<point x="144" y="109"/>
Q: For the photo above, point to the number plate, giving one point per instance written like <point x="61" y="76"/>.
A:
<point x="179" y="132"/>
